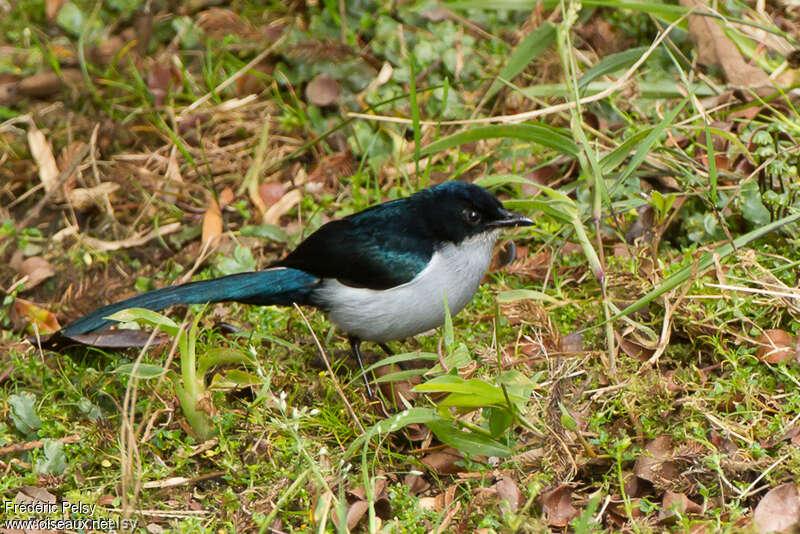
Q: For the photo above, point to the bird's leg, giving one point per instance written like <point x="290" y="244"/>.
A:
<point x="390" y="352"/>
<point x="355" y="346"/>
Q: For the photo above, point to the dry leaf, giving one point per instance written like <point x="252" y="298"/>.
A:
<point x="37" y="270"/>
<point x="779" y="510"/>
<point x="355" y="512"/>
<point x="212" y="222"/>
<point x="508" y="492"/>
<point x="42" y="154"/>
<point x="271" y="192"/>
<point x="416" y="483"/>
<point x="675" y="505"/>
<point x="775" y="346"/>
<point x="634" y="350"/>
<point x="287" y="202"/>
<point x="160" y="78"/>
<point x="226" y="197"/>
<point x="46" y="84"/>
<point x="714" y="48"/>
<point x="557" y="506"/>
<point x="51" y="9"/>
<point x="655" y="464"/>
<point x="323" y="90"/>
<point x="572" y="343"/>
<point x="443" y="462"/>
<point x="44" y="321"/>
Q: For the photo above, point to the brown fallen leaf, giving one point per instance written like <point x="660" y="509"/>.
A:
<point x="779" y="510"/>
<point x="160" y="78"/>
<point x="226" y="197"/>
<point x="271" y="192"/>
<point x="715" y="48"/>
<point x="655" y="464"/>
<point x="443" y="462"/>
<point x="46" y="84"/>
<point x="212" y="222"/>
<point x="508" y="492"/>
<point x="37" y="269"/>
<point x="775" y="346"/>
<point x="416" y="483"/>
<point x="42" y="154"/>
<point x="40" y="320"/>
<point x="557" y="506"/>
<point x="632" y="349"/>
<point x="51" y="9"/>
<point x="323" y="90"/>
<point x="675" y="505"/>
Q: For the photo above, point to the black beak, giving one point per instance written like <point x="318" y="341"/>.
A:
<point x="508" y="219"/>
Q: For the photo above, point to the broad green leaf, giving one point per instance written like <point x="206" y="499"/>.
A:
<point x="503" y="179"/>
<point x="148" y="317"/>
<point x="557" y="139"/>
<point x="499" y="420"/>
<point x="525" y="294"/>
<point x="221" y="356"/>
<point x="271" y="232"/>
<point x="53" y="461"/>
<point x="144" y="371"/>
<point x="393" y="424"/>
<point x="234" y="378"/>
<point x="241" y="262"/>
<point x="399" y="358"/>
<point x="753" y="209"/>
<point x="458" y="358"/>
<point x="557" y="210"/>
<point x="23" y="412"/>
<point x="399" y="376"/>
<point x="476" y="392"/>
<point x="525" y="52"/>
<point x="470" y="443"/>
<point x="610" y="64"/>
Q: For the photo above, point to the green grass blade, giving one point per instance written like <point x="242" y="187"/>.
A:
<point x="679" y="277"/>
<point x="650" y="140"/>
<point x="557" y="139"/>
<point x="526" y="51"/>
<point x="612" y="63"/>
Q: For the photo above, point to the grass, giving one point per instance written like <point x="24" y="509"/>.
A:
<point x="664" y="248"/>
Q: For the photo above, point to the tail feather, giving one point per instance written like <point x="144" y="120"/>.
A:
<point x="278" y="285"/>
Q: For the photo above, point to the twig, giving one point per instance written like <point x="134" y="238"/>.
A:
<point x="30" y="445"/>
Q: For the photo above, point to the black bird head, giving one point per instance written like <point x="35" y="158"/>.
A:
<point x="460" y="210"/>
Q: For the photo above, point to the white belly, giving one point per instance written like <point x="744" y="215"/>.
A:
<point x="416" y="306"/>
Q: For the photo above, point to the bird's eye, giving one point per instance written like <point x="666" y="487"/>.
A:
<point x="471" y="216"/>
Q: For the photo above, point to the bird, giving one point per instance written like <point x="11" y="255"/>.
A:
<point x="382" y="274"/>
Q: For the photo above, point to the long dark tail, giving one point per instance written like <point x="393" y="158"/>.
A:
<point x="278" y="285"/>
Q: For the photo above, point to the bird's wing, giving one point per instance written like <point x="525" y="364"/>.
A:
<point x="363" y="251"/>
